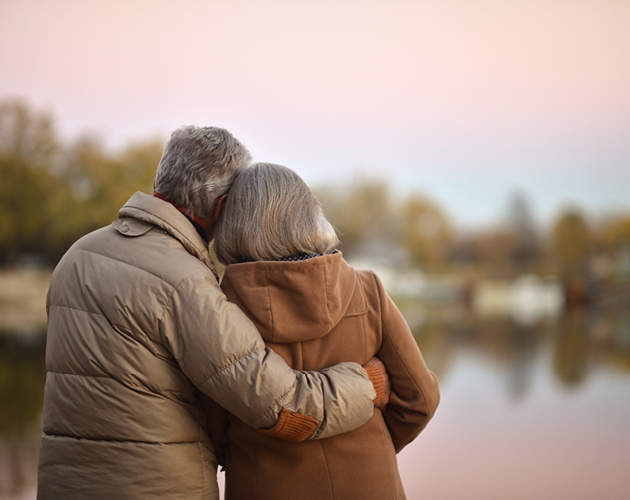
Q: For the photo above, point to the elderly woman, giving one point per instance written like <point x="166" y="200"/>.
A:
<point x="315" y="310"/>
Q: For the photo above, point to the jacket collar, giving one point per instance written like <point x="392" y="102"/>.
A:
<point x="162" y="214"/>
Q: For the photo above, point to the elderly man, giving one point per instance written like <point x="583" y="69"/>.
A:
<point x="137" y="324"/>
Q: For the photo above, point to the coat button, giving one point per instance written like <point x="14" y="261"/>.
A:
<point x="124" y="229"/>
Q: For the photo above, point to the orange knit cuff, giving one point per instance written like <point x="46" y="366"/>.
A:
<point x="292" y="426"/>
<point x="377" y="379"/>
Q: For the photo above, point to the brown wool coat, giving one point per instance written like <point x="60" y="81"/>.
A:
<point x="315" y="313"/>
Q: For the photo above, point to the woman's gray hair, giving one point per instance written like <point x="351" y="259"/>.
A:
<point x="271" y="213"/>
<point x="198" y="165"/>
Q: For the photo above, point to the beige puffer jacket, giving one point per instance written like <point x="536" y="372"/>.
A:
<point x="136" y="324"/>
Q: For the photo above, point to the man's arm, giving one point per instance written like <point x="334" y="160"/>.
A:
<point x="221" y="352"/>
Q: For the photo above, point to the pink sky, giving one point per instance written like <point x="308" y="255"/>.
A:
<point x="464" y="100"/>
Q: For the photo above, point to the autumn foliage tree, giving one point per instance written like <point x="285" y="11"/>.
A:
<point x="28" y="147"/>
<point x="93" y="185"/>
<point x="572" y="244"/>
<point x="49" y="195"/>
<point x="426" y="232"/>
<point x="413" y="230"/>
<point x="616" y="234"/>
<point x="361" y="214"/>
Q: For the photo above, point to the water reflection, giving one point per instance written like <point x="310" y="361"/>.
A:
<point x="571" y="350"/>
<point x="581" y="340"/>
<point x="22" y="378"/>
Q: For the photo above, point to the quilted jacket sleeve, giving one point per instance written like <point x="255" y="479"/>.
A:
<point x="414" y="388"/>
<point x="220" y="351"/>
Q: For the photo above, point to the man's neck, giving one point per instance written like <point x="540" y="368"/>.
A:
<point x="198" y="224"/>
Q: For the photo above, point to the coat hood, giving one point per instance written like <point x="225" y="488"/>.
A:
<point x="295" y="301"/>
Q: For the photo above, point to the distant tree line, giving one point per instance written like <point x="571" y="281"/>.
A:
<point x="50" y="193"/>
<point x="53" y="193"/>
<point x="415" y="231"/>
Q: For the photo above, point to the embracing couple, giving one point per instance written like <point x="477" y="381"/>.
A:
<point x="297" y="373"/>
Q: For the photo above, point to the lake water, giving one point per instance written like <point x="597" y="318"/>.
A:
<point x="530" y="410"/>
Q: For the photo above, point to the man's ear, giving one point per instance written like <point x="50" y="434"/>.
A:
<point x="210" y="221"/>
<point x="217" y="206"/>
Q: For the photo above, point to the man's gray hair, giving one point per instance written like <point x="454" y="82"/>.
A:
<point x="198" y="165"/>
<point x="271" y="213"/>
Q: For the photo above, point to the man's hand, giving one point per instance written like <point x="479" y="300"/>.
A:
<point x="381" y="384"/>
